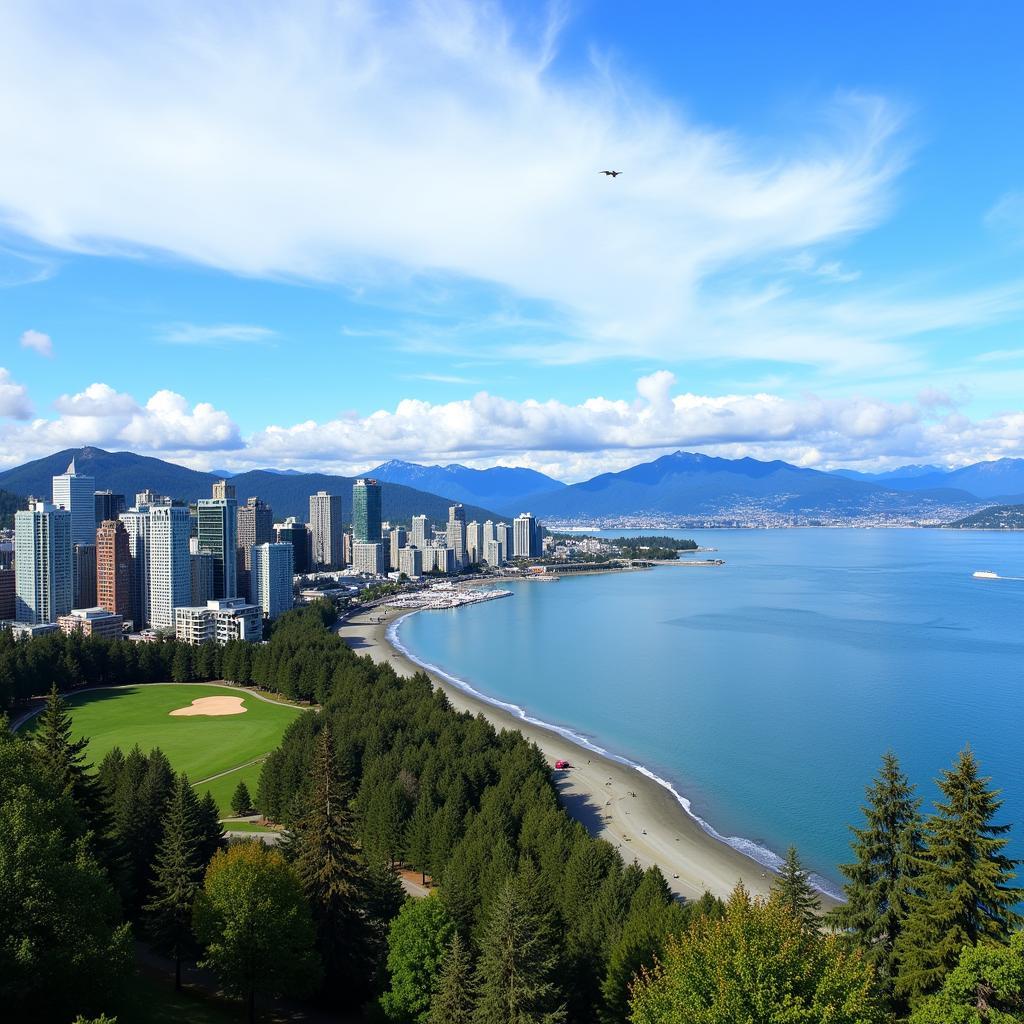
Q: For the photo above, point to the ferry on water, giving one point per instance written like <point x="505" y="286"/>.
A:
<point x="984" y="574"/>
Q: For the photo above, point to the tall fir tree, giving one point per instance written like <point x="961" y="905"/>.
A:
<point x="455" y="994"/>
<point x="241" y="801"/>
<point x="331" y="871"/>
<point x="62" y="760"/>
<point x="965" y="896"/>
<point x="211" y="831"/>
<point x="517" y="974"/>
<point x="881" y="879"/>
<point x="793" y="890"/>
<point x="177" y="875"/>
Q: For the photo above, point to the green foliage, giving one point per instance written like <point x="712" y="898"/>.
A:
<point x="964" y="893"/>
<point x="985" y="987"/>
<point x="418" y="942"/>
<point x="177" y="873"/>
<point x="241" y="801"/>
<point x="757" y="963"/>
<point x="255" y="924"/>
<point x="880" y="881"/>
<point x="330" y="870"/>
<point x="793" y="890"/>
<point x="455" y="992"/>
<point x="62" y="945"/>
<point x="517" y="974"/>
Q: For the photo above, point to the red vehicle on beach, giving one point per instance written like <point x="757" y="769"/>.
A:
<point x="562" y="764"/>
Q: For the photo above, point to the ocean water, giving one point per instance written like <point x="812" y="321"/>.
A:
<point x="766" y="690"/>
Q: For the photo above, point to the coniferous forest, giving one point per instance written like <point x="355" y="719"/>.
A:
<point x="529" y="919"/>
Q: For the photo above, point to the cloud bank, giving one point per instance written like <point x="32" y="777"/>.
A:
<point x="568" y="441"/>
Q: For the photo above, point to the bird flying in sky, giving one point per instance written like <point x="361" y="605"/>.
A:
<point x="611" y="174"/>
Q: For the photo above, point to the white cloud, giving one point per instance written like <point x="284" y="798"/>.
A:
<point x="1007" y="214"/>
<point x="215" y="334"/>
<point x="166" y="425"/>
<point x="13" y="397"/>
<point x="38" y="342"/>
<point x="382" y="146"/>
<point x="570" y="441"/>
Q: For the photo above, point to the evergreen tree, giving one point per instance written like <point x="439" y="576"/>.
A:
<point x="880" y="881"/>
<point x="519" y="958"/>
<point x="211" y="832"/>
<point x="329" y="868"/>
<point x="177" y="874"/>
<point x="455" y="994"/>
<point x="62" y="760"/>
<point x="965" y="892"/>
<point x="241" y="801"/>
<point x="418" y="835"/>
<point x="793" y="890"/>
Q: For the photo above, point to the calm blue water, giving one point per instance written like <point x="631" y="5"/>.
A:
<point x="766" y="690"/>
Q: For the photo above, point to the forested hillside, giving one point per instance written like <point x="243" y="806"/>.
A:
<point x="530" y="919"/>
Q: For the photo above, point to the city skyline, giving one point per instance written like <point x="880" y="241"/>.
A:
<point x="824" y="270"/>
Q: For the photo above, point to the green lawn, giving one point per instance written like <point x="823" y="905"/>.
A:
<point x="223" y="789"/>
<point x="245" y="826"/>
<point x="198" y="745"/>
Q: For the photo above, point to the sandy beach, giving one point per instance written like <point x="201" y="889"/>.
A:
<point x="614" y="801"/>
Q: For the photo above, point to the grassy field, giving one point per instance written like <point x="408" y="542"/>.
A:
<point x="223" y="789"/>
<point x="199" y="745"/>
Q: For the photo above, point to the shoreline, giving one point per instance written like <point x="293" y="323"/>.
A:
<point x="614" y="799"/>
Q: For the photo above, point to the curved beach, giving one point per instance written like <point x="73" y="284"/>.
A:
<point x="615" y="801"/>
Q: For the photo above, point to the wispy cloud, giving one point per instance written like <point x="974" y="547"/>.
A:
<point x="38" y="342"/>
<point x="215" y="334"/>
<point x="1007" y="215"/>
<point x="441" y="378"/>
<point x="421" y="152"/>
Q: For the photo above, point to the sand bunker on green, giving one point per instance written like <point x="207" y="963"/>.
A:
<point x="198" y="743"/>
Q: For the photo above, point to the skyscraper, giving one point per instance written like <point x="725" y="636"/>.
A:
<point x="457" y="533"/>
<point x="297" y="534"/>
<point x="255" y="526"/>
<point x="136" y="525"/>
<point x="369" y="558"/>
<point x="201" y="566"/>
<point x="503" y="533"/>
<point x="43" y="564"/>
<point x="398" y="541"/>
<point x="325" y="524"/>
<point x="170" y="577"/>
<point x="420" y="528"/>
<point x="108" y="506"/>
<point x="75" y="493"/>
<point x="272" y="571"/>
<point x="366" y="512"/>
<point x="84" y="576"/>
<point x="218" y="533"/>
<point x="474" y="543"/>
<point x="526" y="538"/>
<point x="113" y="568"/>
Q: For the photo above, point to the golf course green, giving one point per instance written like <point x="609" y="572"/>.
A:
<point x="200" y="745"/>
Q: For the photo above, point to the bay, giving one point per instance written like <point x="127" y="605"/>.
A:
<point x="767" y="689"/>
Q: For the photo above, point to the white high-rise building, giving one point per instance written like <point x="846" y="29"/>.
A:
<point x="398" y="539"/>
<point x="43" y="582"/>
<point x="327" y="528"/>
<point x="503" y="533"/>
<point x="526" y="539"/>
<point x="486" y="534"/>
<point x="474" y="543"/>
<point x="369" y="558"/>
<point x="494" y="553"/>
<point x="273" y="567"/>
<point x="420" y="526"/>
<point x="410" y="561"/>
<point x="77" y="494"/>
<point x="170" y="573"/>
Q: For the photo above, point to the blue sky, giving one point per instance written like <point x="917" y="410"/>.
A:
<point x="351" y="232"/>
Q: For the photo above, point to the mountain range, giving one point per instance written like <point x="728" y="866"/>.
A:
<point x="996" y="479"/>
<point x="287" y="493"/>
<point x="681" y="486"/>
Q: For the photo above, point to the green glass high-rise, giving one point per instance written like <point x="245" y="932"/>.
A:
<point x="366" y="512"/>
